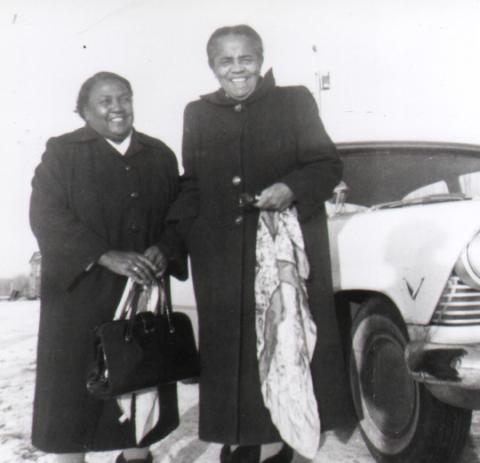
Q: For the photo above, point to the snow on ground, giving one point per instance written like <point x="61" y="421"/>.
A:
<point x="18" y="336"/>
<point x="18" y="328"/>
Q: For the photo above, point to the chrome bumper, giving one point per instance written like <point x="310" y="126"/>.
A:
<point x="451" y="372"/>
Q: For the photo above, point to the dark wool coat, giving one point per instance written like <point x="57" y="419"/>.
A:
<point x="88" y="199"/>
<point x="230" y="148"/>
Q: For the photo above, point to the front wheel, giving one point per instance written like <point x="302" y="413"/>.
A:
<point x="400" y="421"/>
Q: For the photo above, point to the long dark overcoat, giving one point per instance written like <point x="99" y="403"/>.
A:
<point x="88" y="199"/>
<point x="230" y="148"/>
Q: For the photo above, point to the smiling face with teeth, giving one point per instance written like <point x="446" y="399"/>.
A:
<point x="236" y="64"/>
<point x="109" y="109"/>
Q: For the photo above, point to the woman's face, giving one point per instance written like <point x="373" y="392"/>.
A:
<point x="236" y="65"/>
<point x="109" y="110"/>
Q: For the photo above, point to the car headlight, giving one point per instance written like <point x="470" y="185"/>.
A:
<point x="468" y="264"/>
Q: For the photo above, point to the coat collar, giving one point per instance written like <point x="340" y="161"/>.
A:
<point x="265" y="84"/>
<point x="86" y="134"/>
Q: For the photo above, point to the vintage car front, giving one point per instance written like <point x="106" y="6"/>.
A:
<point x="405" y="250"/>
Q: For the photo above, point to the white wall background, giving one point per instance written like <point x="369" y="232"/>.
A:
<point x="400" y="69"/>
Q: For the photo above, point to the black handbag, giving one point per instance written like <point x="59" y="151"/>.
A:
<point x="144" y="349"/>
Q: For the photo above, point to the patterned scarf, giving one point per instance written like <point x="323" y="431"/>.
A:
<point x="286" y="332"/>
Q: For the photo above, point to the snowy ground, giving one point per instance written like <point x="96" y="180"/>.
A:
<point x="18" y="327"/>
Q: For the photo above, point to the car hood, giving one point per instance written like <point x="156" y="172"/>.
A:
<point x="406" y="253"/>
<point x="429" y="199"/>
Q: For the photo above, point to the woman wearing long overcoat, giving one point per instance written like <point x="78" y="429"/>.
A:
<point x="252" y="137"/>
<point x="98" y="204"/>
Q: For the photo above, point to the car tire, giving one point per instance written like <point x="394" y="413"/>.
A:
<point x="399" y="419"/>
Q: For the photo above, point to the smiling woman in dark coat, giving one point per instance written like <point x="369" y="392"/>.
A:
<point x="252" y="136"/>
<point x="99" y="199"/>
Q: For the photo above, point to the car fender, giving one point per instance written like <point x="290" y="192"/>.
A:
<point x="406" y="253"/>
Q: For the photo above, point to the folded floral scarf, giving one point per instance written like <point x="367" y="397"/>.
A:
<point x="286" y="332"/>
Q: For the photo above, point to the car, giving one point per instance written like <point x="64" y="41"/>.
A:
<point x="404" y="229"/>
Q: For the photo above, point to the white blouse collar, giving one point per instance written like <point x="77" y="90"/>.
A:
<point x="123" y="146"/>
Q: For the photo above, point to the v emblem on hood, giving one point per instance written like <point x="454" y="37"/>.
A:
<point x="414" y="292"/>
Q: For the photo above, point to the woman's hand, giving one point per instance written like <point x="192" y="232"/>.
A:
<point x="130" y="264"/>
<point x="276" y="197"/>
<point x="158" y="259"/>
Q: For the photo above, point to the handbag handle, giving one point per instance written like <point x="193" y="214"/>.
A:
<point x="164" y="302"/>
<point x="127" y="304"/>
<point x="164" y="305"/>
<point x="132" y="299"/>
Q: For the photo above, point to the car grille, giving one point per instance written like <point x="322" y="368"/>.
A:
<point x="458" y="305"/>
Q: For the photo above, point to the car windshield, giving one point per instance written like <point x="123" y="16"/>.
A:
<point x="400" y="175"/>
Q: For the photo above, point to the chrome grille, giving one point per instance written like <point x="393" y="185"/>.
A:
<point x="458" y="305"/>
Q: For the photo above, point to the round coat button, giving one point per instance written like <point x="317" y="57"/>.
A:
<point x="238" y="220"/>
<point x="236" y="180"/>
<point x="134" y="194"/>
<point x="127" y="168"/>
<point x="238" y="107"/>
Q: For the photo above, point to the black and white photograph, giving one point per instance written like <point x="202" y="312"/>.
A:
<point x="240" y="232"/>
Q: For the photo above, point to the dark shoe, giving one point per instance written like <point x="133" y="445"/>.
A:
<point x="121" y="459"/>
<point x="242" y="454"/>
<point x="284" y="456"/>
<point x="225" y="454"/>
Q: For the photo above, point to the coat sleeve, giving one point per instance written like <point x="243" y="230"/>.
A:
<point x="319" y="169"/>
<point x="185" y="208"/>
<point x="171" y="243"/>
<point x="65" y="242"/>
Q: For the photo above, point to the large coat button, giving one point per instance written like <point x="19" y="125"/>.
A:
<point x="236" y="180"/>
<point x="238" y="220"/>
<point x="238" y="107"/>
<point x="134" y="195"/>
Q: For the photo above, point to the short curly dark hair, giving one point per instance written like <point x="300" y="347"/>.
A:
<point x="87" y="86"/>
<point x="241" y="29"/>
